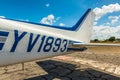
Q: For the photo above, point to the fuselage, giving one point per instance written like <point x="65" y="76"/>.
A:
<point x="25" y="41"/>
<point x="17" y="46"/>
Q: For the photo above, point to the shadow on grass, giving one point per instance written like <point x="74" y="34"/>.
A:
<point x="65" y="71"/>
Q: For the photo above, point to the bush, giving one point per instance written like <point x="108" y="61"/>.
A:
<point x="96" y="40"/>
<point x="112" y="38"/>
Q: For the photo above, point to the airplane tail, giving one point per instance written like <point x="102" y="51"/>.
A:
<point x="83" y="28"/>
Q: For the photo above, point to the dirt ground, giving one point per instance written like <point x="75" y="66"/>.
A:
<point x="65" y="68"/>
<point x="100" y="53"/>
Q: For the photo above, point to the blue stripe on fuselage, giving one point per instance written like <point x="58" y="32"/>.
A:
<point x="3" y="33"/>
<point x="74" y="28"/>
<point x="1" y="45"/>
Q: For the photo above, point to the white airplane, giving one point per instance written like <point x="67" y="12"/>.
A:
<point x="22" y="41"/>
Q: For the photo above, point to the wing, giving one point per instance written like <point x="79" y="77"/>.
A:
<point x="83" y="46"/>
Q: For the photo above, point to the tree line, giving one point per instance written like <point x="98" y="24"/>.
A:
<point x="111" y="39"/>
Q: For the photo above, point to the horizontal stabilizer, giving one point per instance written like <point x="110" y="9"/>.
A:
<point x="94" y="44"/>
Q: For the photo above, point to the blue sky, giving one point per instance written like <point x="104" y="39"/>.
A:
<point x="69" y="11"/>
<point x="62" y="12"/>
<point x="35" y="10"/>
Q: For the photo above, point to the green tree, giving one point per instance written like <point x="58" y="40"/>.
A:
<point x="112" y="38"/>
<point x="96" y="40"/>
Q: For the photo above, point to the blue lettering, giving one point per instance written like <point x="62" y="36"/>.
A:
<point x="17" y="39"/>
<point x="48" y="44"/>
<point x="57" y="45"/>
<point x="32" y="42"/>
<point x="41" y="44"/>
<point x="65" y="45"/>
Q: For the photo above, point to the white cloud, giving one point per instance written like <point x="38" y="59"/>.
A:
<point x="47" y="5"/>
<point x="104" y="32"/>
<point x="95" y="23"/>
<point x="2" y="16"/>
<point x="108" y="23"/>
<point x="50" y="19"/>
<point x="114" y="19"/>
<point x="61" y="24"/>
<point x="99" y="12"/>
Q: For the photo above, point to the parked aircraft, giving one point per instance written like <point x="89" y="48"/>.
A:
<point x="22" y="41"/>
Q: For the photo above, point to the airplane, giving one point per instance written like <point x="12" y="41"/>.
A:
<point x="22" y="41"/>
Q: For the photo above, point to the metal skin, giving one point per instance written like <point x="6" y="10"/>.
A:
<point x="22" y="41"/>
